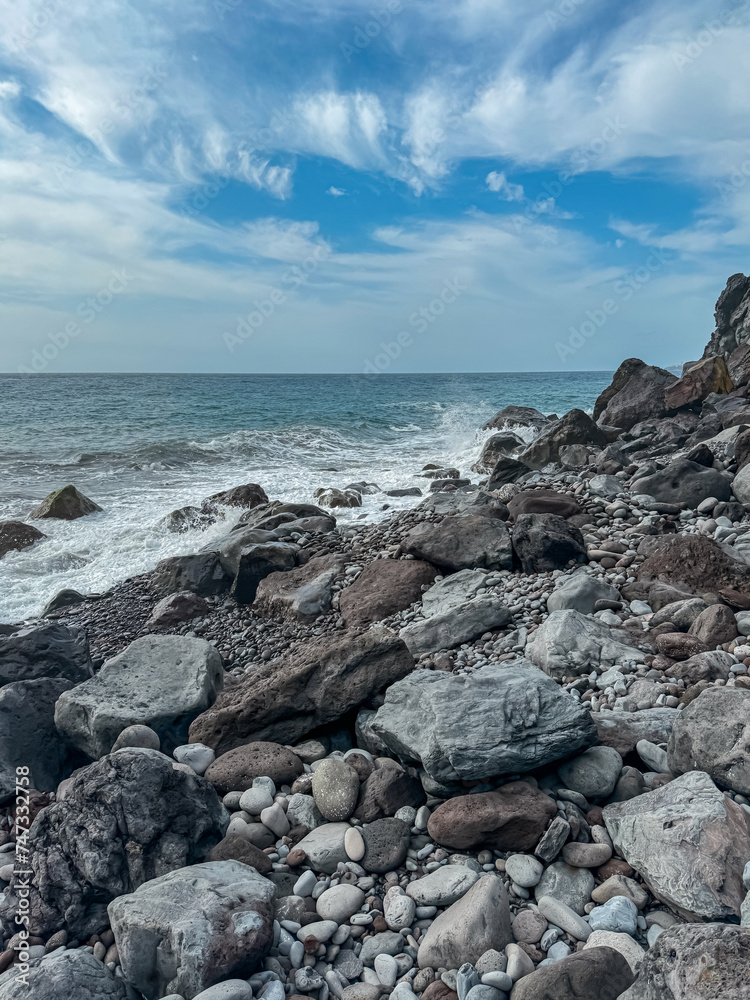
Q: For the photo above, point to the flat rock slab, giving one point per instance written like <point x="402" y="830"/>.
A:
<point x="689" y="843"/>
<point x="498" y="720"/>
<point x="282" y="701"/>
<point x="185" y="931"/>
<point x="45" y="651"/>
<point x="468" y="542"/>
<point x="158" y="681"/>
<point x="510" y="818"/>
<point x="384" y="587"/>
<point x="460" y="623"/>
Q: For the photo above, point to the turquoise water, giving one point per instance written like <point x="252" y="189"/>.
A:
<point x="143" y="445"/>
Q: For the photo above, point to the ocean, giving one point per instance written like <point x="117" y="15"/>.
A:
<point x="144" y="445"/>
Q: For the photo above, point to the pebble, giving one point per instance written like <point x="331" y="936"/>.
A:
<point x="618" y="914"/>
<point x="322" y="930"/>
<point x="586" y="855"/>
<point x="305" y="884"/>
<point x="524" y="870"/>
<point x="196" y="755"/>
<point x="399" y="909"/>
<point x="340" y="902"/>
<point x="354" y="844"/>
<point x="500" y="980"/>
<point x="255" y="800"/>
<point x="561" y="915"/>
<point x="275" y="819"/>
<point x="519" y="963"/>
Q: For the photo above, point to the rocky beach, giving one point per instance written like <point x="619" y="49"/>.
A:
<point x="494" y="745"/>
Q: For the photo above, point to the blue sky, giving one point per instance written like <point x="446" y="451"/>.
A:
<point x="401" y="185"/>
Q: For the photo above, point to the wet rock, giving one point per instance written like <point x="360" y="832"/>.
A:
<point x="524" y="417"/>
<point x="384" y="587"/>
<point x="247" y="497"/>
<point x="510" y="818"/>
<point x="45" y="651"/>
<point x="712" y="734"/>
<point x="66" y="504"/>
<point x="201" y="573"/>
<point x="545" y="542"/>
<point x="15" y="536"/>
<point x="496" y="447"/>
<point x="575" y="427"/>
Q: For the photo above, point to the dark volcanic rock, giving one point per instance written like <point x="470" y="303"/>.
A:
<point x="66" y="504"/>
<point x="732" y="317"/>
<point x="593" y="974"/>
<point x="237" y="769"/>
<point x="683" y="481"/>
<point x="707" y="376"/>
<point x="468" y="542"/>
<point x="201" y="573"/>
<point x="45" y="651"/>
<point x="496" y="447"/>
<point x="510" y="818"/>
<point x="308" y="687"/>
<point x="255" y="562"/>
<point x="384" y="587"/>
<point x="635" y="394"/>
<point x="506" y="470"/>
<point x="15" y="535"/>
<point x="576" y="427"/>
<point x="236" y="848"/>
<point x="543" y="502"/>
<point x="386" y="790"/>
<point x="695" y="564"/>
<point x="178" y="608"/>
<point x="545" y="542"/>
<point x="248" y="496"/>
<point x="517" y="416"/>
<point x="386" y="844"/>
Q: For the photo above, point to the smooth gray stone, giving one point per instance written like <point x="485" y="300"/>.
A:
<point x="69" y="975"/>
<point x="460" y="623"/>
<point x="580" y="592"/>
<point x="569" y="643"/>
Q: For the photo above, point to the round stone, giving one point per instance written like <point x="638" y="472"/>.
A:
<point x="236" y="769"/>
<point x="340" y="902"/>
<point x="529" y="926"/>
<point x="354" y="844"/>
<point x="618" y="914"/>
<point x="255" y="800"/>
<point x="275" y="819"/>
<point x="524" y="870"/>
<point x="386" y="969"/>
<point x="399" y="910"/>
<point x="196" y="755"/>
<point x="573" y="886"/>
<point x="137" y="736"/>
<point x="335" y="788"/>
<point x="593" y="773"/>
<point x="586" y="855"/>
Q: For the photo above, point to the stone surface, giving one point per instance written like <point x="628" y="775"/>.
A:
<point x="688" y="842"/>
<point x="237" y="769"/>
<point x="496" y="447"/>
<point x="159" y="681"/>
<point x="324" y="846"/>
<point x="15" y="536"/>
<point x="480" y="920"/>
<point x="467" y="542"/>
<point x="461" y="623"/>
<point x="453" y="591"/>
<point x="335" y="788"/>
<point x="715" y="625"/>
<point x="386" y="844"/>
<point x="712" y="734"/>
<point x="307" y="687"/>
<point x="69" y="975"/>
<point x="520" y="720"/>
<point x="624" y="730"/>
<point x="595" y="974"/>
<point x="694" y="563"/>
<point x="186" y="930"/>
<point x="45" y="651"/>
<point x="594" y="773"/>
<point x="683" y="481"/>
<point x="125" y="819"/>
<point x="705" y="377"/>
<point x="254" y="563"/>
<point x="543" y="502"/>
<point x="180" y="607"/>
<point x="247" y="496"/>
<point x="517" y="416"/>
<point x="301" y="593"/>
<point x="384" y="587"/>
<point x="545" y="542"/>
<point x="636" y="393"/>
<point x="624" y="944"/>
<point x="572" y="886"/>
<point x="66" y="504"/>
<point x="28" y="737"/>
<point x="443" y="886"/>
<point x="580" y="592"/>
<point x="234" y="848"/>
<point x="200" y="573"/>
<point x="510" y="818"/>
<point x="575" y="427"/>
<point x="695" y="962"/>
<point x="386" y="790"/>
<point x="568" y="643"/>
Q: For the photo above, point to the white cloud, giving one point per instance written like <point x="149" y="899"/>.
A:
<point x="500" y="184"/>
<point x="336" y="192"/>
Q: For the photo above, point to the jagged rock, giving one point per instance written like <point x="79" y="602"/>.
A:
<point x="158" y="681"/>
<point x="200" y="573"/>
<point x="496" y="447"/>
<point x="212" y="920"/>
<point x="338" y="498"/>
<point x="468" y="542"/>
<point x="302" y="593"/>
<point x="575" y="427"/>
<point x="15" y="536"/>
<point x="453" y="590"/>
<point x="66" y="504"/>
<point x="593" y="974"/>
<point x="249" y="555"/>
<point x="694" y="563"/>
<point x="247" y="497"/>
<point x="125" y="819"/>
<point x="636" y="393"/>
<point x="712" y="734"/>
<point x="506" y="470"/>
<point x="579" y="592"/>
<point x="478" y="921"/>
<point x="624" y="730"/>
<point x="683" y="481"/>
<point x="460" y="623"/>
<point x="695" y="962"/>
<point x="517" y="416"/>
<point x="74" y="974"/>
<point x="28" y="737"/>
<point x="310" y="686"/>
<point x="384" y="587"/>
<point x="177" y="608"/>
<point x="510" y="818"/>
<point x="519" y="720"/>
<point x="689" y="843"/>
<point x="45" y="651"/>
<point x="569" y="643"/>
<point x="732" y="317"/>
<point x="545" y="542"/>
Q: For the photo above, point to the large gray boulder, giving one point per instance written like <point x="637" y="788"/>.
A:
<point x="68" y="975"/>
<point x="569" y="643"/>
<point x="683" y="481"/>
<point x="712" y="734"/>
<point x="28" y="737"/>
<point x="201" y="573"/>
<point x="468" y="542"/>
<point x="695" y="962"/>
<point x="575" y="427"/>
<point x="124" y="820"/>
<point x="453" y="590"/>
<point x="66" y="504"/>
<point x="301" y="593"/>
<point x="498" y="720"/>
<point x="249" y="555"/>
<point x="579" y="592"/>
<point x="688" y="842"/>
<point x="161" y="681"/>
<point x="477" y="922"/>
<point x="45" y="651"/>
<point x="461" y="623"/>
<point x="545" y="542"/>
<point x="636" y="393"/>
<point x="188" y="929"/>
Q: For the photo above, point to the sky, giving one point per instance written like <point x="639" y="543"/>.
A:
<point x="387" y="185"/>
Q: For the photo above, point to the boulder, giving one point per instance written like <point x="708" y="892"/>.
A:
<point x="65" y="598"/>
<point x="480" y="920"/>
<point x="712" y="734"/>
<point x="177" y="608"/>
<point x="460" y="623"/>
<point x="517" y="416"/>
<point x="126" y="819"/>
<point x="254" y="563"/>
<point x="695" y="962"/>
<point x="310" y="686"/>
<point x="593" y="773"/>
<point x="45" y="651"/>
<point x="512" y="817"/>
<point x="15" y="536"/>
<point x="543" y="502"/>
<point x="681" y="614"/>
<point x="715" y="626"/>
<point x="386" y="790"/>
<point x="213" y="920"/>
<point x="579" y="592"/>
<point x="636" y="393"/>
<point x="28" y="737"/>
<point x="161" y="681"/>
<point x="235" y="770"/>
<point x="453" y="590"/>
<point x="468" y="542"/>
<point x="576" y="427"/>
<point x="247" y="497"/>
<point x="74" y="974"/>
<point x="384" y="587"/>
<point x="688" y="842"/>
<point x="568" y="644"/>
<point x="200" y="573"/>
<point x="703" y="667"/>
<point x="506" y="470"/>
<point x="732" y="317"/>
<point x="334" y="498"/>
<point x="694" y="563"/>
<point x="496" y="447"/>
<point x="593" y="974"/>
<point x="66" y="504"/>
<point x="624" y="730"/>
<point x="500" y="719"/>
<point x="683" y="481"/>
<point x="699" y="381"/>
<point x="545" y="542"/>
<point x="302" y="593"/>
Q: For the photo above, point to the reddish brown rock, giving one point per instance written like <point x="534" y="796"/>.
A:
<point x="679" y="646"/>
<point x="235" y="770"/>
<point x="542" y="502"/>
<point x="693" y="563"/>
<point x="439" y="991"/>
<point x="510" y="818"/>
<point x="710" y="375"/>
<point x="715" y="626"/>
<point x="236" y="848"/>
<point x="384" y="587"/>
